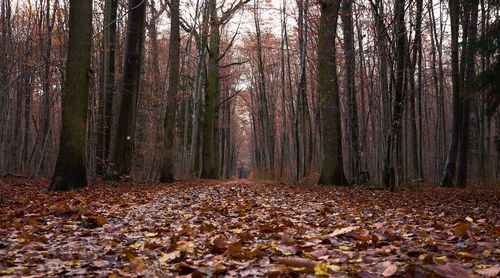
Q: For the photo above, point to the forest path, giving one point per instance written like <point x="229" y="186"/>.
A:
<point x="245" y="228"/>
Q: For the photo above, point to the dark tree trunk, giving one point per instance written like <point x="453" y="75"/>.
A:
<point x="70" y="169"/>
<point x="394" y="135"/>
<point x="350" y="81"/>
<point x="449" y="170"/>
<point x="463" y="147"/>
<point x="332" y="171"/>
<point x="208" y="152"/>
<point x="123" y="143"/>
<point x="106" y="100"/>
<point x="167" y="164"/>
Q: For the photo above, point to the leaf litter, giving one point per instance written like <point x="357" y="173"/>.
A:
<point x="244" y="228"/>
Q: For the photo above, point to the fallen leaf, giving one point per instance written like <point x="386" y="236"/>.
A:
<point x="219" y="245"/>
<point x="342" y="231"/>
<point x="308" y="264"/>
<point x="450" y="270"/>
<point x="184" y="268"/>
<point x="169" y="256"/>
<point x="489" y="272"/>
<point x="390" y="270"/>
<point x="136" y="265"/>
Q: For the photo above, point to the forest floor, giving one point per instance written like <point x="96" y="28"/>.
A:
<point x="246" y="229"/>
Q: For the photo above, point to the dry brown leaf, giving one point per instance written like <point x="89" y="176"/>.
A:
<point x="390" y="270"/>
<point x="450" y="270"/>
<point x="169" y="256"/>
<point x="136" y="265"/>
<point x="342" y="231"/>
<point x="297" y="262"/>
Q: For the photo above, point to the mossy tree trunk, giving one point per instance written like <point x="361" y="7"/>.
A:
<point x="208" y="152"/>
<point x="332" y="171"/>
<point x="70" y="171"/>
<point x="167" y="163"/>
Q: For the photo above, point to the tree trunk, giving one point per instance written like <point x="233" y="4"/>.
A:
<point x="167" y="164"/>
<point x="332" y="171"/>
<point x="106" y="100"/>
<point x="463" y="147"/>
<point x="45" y="117"/>
<point x="394" y="135"/>
<point x="123" y="143"/>
<point x="449" y="170"/>
<point x="350" y="87"/>
<point x="70" y="171"/>
<point x="208" y="154"/>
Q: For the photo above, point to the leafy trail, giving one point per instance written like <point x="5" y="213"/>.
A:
<point x="244" y="228"/>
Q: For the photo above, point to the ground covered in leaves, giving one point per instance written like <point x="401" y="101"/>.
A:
<point x="246" y="229"/>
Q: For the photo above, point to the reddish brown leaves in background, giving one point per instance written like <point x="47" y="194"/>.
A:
<point x="242" y="228"/>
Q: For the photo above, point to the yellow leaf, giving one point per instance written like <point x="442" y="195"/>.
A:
<point x="325" y="269"/>
<point x="483" y="266"/>
<point x="148" y="235"/>
<point x="469" y="219"/>
<point x="6" y="272"/>
<point x="356" y="260"/>
<point x="440" y="258"/>
<point x="345" y="248"/>
<point x="135" y="245"/>
<point x="308" y="255"/>
<point x="136" y="265"/>
<point x="237" y="231"/>
<point x="422" y="257"/>
<point x="74" y="263"/>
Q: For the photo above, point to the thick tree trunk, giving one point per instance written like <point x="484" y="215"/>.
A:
<point x="463" y="147"/>
<point x="208" y="154"/>
<point x="332" y="171"/>
<point x="123" y="143"/>
<point x="167" y="163"/>
<point x="70" y="169"/>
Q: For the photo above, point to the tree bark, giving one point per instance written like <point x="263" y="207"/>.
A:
<point x="106" y="118"/>
<point x="70" y="171"/>
<point x="394" y="135"/>
<point x="463" y="147"/>
<point x="123" y="143"/>
<point x="350" y="87"/>
<point x="449" y="170"/>
<point x="332" y="171"/>
<point x="208" y="154"/>
<point x="167" y="164"/>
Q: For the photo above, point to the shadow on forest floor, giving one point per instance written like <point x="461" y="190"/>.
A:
<point x="246" y="228"/>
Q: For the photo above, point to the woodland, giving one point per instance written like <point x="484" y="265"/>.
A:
<point x="249" y="138"/>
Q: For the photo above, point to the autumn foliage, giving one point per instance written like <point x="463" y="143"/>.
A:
<point x="243" y="228"/>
